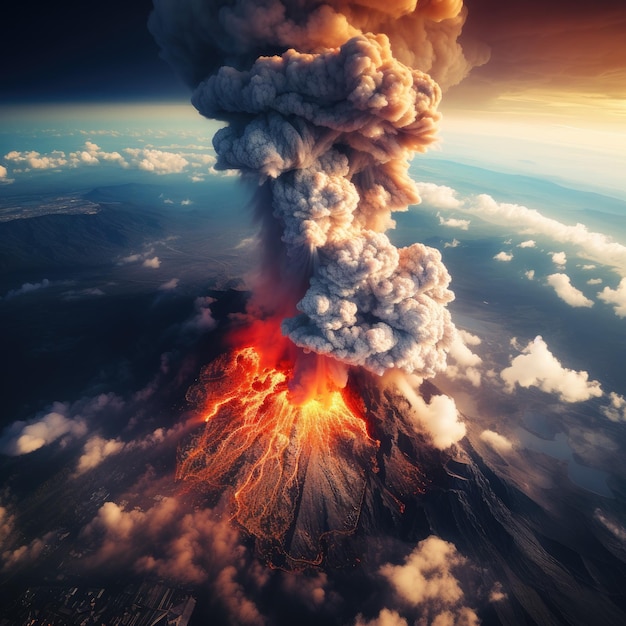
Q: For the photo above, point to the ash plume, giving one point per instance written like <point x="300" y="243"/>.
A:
<point x="325" y="103"/>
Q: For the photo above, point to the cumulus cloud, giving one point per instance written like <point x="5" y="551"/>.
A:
<point x="147" y="258"/>
<point x="157" y="161"/>
<point x="33" y="160"/>
<point x="538" y="367"/>
<point x="427" y="581"/>
<point x="452" y="244"/>
<point x="95" y="451"/>
<point x="90" y="154"/>
<point x="185" y="546"/>
<point x="439" y="419"/>
<point x="503" y="256"/>
<point x="453" y="222"/>
<point x="26" y="553"/>
<point x="386" y="617"/>
<point x="567" y="292"/>
<point x="559" y="258"/>
<point x="529" y="243"/>
<point x="616" y="410"/>
<point x="169" y="285"/>
<point x="498" y="442"/>
<point x="12" y="554"/>
<point x="153" y="262"/>
<point x="465" y="363"/>
<point x="439" y="196"/>
<point x="4" y="176"/>
<point x="530" y="274"/>
<point x="589" y="266"/>
<point x="25" y="437"/>
<point x="62" y="422"/>
<point x="594" y="281"/>
<point x="616" y="297"/>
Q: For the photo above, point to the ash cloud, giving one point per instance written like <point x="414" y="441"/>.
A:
<point x="325" y="104"/>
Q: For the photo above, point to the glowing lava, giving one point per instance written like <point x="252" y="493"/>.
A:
<point x="298" y="471"/>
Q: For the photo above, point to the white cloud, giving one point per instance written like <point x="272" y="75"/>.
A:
<point x="453" y="222"/>
<point x="97" y="449"/>
<point x="529" y="243"/>
<point x="594" y="281"/>
<point x="26" y="553"/>
<point x="452" y="244"/>
<point x="439" y="419"/>
<point x="616" y="297"/>
<point x="594" y="246"/>
<point x="185" y="546"/>
<point x="559" y="258"/>
<point x="32" y="160"/>
<point x="589" y="267"/>
<point x="427" y="580"/>
<point x="616" y="411"/>
<point x="186" y="202"/>
<point x="538" y="367"/>
<point x="153" y="263"/>
<point x="530" y="274"/>
<point x="496" y="594"/>
<point x="4" y="176"/>
<point x="91" y="154"/>
<point x="499" y="442"/>
<point x="466" y="363"/>
<point x="503" y="256"/>
<point x="567" y="292"/>
<point x="60" y="423"/>
<point x="169" y="285"/>
<point x="386" y="617"/>
<point x="157" y="161"/>
<point x="438" y="196"/>
<point x="25" y="437"/>
<point x="247" y="242"/>
<point x="132" y="258"/>
<point x="12" y="555"/>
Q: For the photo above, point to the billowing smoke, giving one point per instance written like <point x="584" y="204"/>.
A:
<point x="325" y="116"/>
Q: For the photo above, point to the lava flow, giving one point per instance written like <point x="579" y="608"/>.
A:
<point x="278" y="456"/>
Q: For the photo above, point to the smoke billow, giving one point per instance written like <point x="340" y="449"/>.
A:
<point x="325" y="103"/>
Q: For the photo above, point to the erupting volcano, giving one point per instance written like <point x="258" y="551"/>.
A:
<point x="325" y="103"/>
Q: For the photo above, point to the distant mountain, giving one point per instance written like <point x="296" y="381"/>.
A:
<point x="57" y="241"/>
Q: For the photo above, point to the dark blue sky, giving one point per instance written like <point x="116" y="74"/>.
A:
<point x="73" y="50"/>
<point x="82" y="50"/>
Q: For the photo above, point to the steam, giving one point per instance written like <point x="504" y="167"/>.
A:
<point x="325" y="118"/>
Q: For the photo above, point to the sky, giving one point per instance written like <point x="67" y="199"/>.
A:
<point x="549" y="98"/>
<point x="562" y="59"/>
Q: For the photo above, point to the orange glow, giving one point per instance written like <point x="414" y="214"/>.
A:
<point x="297" y="470"/>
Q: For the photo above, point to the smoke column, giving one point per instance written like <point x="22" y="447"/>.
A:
<point x="324" y="104"/>
<point x="325" y="117"/>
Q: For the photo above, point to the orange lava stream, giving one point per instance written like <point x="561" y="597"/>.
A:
<point x="297" y="471"/>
